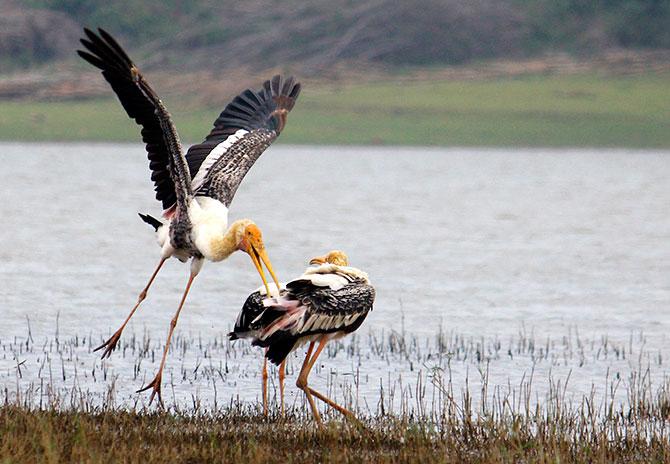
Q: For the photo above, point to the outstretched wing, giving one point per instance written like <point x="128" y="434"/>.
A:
<point x="242" y="132"/>
<point x="169" y="170"/>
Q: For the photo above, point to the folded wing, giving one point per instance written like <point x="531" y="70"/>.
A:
<point x="317" y="303"/>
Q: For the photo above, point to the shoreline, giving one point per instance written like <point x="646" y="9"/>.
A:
<point x="576" y="110"/>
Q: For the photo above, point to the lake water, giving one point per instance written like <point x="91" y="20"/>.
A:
<point x="494" y="248"/>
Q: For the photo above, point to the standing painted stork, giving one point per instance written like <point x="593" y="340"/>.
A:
<point x="196" y="189"/>
<point x="325" y="303"/>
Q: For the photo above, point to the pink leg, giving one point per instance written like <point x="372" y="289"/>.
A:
<point x="110" y="344"/>
<point x="302" y="384"/>
<point x="282" y="376"/>
<point x="156" y="382"/>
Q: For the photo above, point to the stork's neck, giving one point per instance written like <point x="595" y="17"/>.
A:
<point x="328" y="268"/>
<point x="209" y="218"/>
<point x="222" y="246"/>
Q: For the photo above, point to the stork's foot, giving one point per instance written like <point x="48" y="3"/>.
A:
<point x="301" y="383"/>
<point x="155" y="385"/>
<point x="345" y="412"/>
<point x="110" y="345"/>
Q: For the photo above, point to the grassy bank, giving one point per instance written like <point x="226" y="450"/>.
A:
<point x="50" y="412"/>
<point x="571" y="110"/>
<point x="234" y="435"/>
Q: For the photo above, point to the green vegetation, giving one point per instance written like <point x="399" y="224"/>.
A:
<point x="578" y="110"/>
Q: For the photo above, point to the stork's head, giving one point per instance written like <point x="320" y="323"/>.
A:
<point x="249" y="239"/>
<point x="336" y="257"/>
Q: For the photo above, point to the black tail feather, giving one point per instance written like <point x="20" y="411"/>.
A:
<point x="152" y="221"/>
<point x="268" y="316"/>
<point x="279" y="345"/>
<point x="277" y="352"/>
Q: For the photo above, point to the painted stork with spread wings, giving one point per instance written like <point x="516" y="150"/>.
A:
<point x="197" y="189"/>
<point x="325" y="303"/>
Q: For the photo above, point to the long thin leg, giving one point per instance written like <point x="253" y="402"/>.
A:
<point x="110" y="344"/>
<point x="322" y="397"/>
<point x="305" y="363"/>
<point x="332" y="403"/>
<point x="319" y="349"/>
<point x="301" y="383"/>
<point x="264" y="384"/>
<point x="156" y="382"/>
<point x="282" y="376"/>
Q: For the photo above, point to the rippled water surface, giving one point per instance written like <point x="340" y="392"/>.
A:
<point x="494" y="248"/>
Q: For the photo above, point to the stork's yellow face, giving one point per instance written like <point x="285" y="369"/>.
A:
<point x="252" y="243"/>
<point x="336" y="257"/>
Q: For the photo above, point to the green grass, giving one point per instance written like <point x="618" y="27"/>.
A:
<point x="579" y="110"/>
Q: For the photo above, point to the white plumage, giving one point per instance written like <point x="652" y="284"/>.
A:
<point x="215" y="155"/>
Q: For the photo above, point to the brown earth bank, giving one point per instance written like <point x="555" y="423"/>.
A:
<point x="73" y="81"/>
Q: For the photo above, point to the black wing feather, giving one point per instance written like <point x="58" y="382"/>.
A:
<point x="143" y="105"/>
<point x="263" y="114"/>
<point x="252" y="308"/>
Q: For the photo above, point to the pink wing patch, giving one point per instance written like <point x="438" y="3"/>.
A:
<point x="294" y="313"/>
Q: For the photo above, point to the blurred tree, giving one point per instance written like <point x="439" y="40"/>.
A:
<point x="314" y="34"/>
<point x="639" y="23"/>
<point x="32" y="36"/>
<point x="583" y="25"/>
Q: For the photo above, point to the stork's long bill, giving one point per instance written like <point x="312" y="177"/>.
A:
<point x="255" y="248"/>
<point x="259" y="255"/>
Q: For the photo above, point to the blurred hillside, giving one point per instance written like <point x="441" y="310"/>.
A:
<point x="314" y="36"/>
<point x="419" y="72"/>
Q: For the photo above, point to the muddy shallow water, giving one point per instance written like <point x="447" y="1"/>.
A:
<point x="568" y="250"/>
